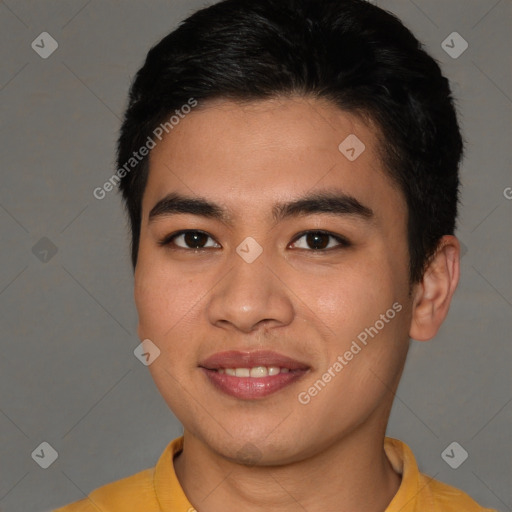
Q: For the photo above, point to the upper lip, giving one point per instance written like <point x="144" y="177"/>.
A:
<point x="237" y="359"/>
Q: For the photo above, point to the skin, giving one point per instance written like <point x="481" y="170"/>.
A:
<point x="304" y="303"/>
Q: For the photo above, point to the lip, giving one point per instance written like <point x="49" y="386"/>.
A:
<point x="251" y="388"/>
<point x="237" y="359"/>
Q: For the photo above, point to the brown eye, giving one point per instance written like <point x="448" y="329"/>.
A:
<point x="319" y="241"/>
<point x="195" y="240"/>
<point x="189" y="240"/>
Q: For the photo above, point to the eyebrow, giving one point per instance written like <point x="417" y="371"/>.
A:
<point x="330" y="202"/>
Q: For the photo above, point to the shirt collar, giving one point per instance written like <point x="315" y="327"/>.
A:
<point x="403" y="462"/>
<point x="170" y="495"/>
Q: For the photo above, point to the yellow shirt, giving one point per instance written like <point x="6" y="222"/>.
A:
<point x="158" y="489"/>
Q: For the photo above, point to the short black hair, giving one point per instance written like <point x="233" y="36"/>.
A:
<point x="355" y="54"/>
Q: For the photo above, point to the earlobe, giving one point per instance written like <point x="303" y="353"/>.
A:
<point x="433" y="295"/>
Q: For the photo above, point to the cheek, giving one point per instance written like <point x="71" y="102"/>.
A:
<point x="368" y="314"/>
<point x="165" y="300"/>
<point x="352" y="298"/>
<point x="167" y="304"/>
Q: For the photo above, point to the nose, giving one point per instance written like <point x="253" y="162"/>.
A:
<point x="250" y="296"/>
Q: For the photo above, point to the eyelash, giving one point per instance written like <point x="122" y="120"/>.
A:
<point x="168" y="240"/>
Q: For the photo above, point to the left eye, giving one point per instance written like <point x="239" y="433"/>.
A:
<point x="319" y="240"/>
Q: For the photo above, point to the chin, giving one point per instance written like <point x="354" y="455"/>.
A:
<point x="261" y="447"/>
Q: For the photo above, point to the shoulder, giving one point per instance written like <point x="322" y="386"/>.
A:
<point x="142" y="491"/>
<point x="419" y="491"/>
<point x="445" y="498"/>
<point x="134" y="492"/>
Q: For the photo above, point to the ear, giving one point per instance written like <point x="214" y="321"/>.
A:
<point x="433" y="295"/>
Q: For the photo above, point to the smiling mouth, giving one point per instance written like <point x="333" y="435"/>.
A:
<point x="252" y="375"/>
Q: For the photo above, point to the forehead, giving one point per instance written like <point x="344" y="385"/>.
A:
<point x="247" y="154"/>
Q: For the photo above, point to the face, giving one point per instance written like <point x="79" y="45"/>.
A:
<point x="269" y="251"/>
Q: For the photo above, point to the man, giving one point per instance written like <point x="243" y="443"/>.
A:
<point x="290" y="170"/>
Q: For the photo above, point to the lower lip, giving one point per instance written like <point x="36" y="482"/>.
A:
<point x="252" y="388"/>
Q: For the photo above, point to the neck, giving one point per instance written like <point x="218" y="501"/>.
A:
<point x="351" y="473"/>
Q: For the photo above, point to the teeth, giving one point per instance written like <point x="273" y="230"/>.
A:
<point x="257" y="371"/>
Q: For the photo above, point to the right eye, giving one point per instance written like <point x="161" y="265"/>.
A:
<point x="188" y="240"/>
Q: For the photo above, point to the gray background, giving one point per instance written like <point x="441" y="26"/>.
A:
<point x="68" y="375"/>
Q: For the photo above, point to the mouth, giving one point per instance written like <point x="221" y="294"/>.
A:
<point x="252" y="375"/>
